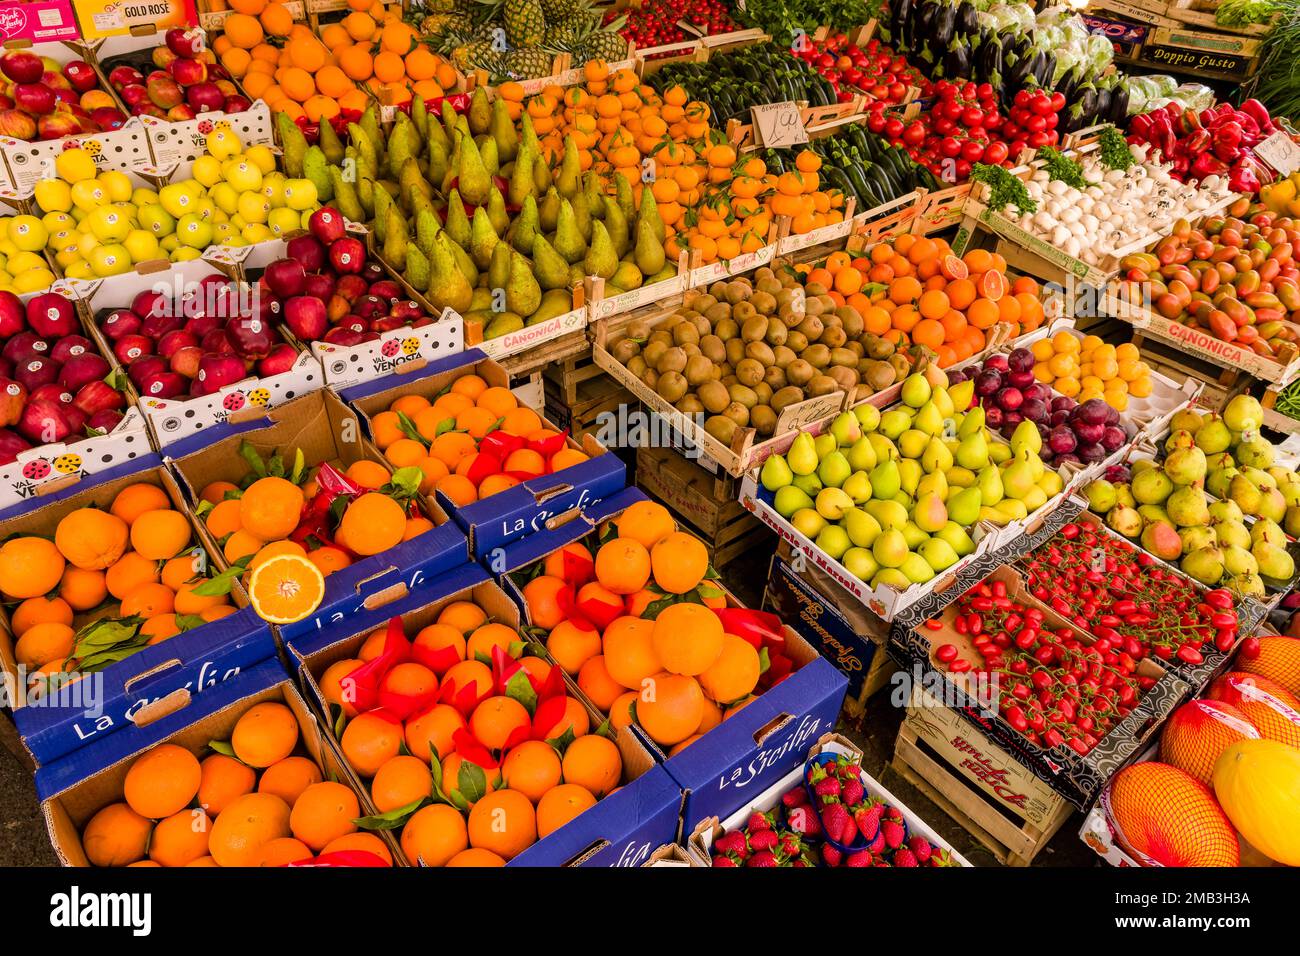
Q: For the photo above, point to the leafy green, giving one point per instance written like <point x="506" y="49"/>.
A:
<point x="1113" y="150"/>
<point x="1004" y="189"/>
<point x="1243" y="13"/>
<point x="1062" y="167"/>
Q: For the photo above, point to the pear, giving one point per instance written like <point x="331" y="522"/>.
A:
<point x="957" y="538"/>
<point x="472" y="178"/>
<point x="1012" y="508"/>
<point x="802" y="456"/>
<point x="928" y="419"/>
<point x="1226" y="511"/>
<point x="808" y="484"/>
<point x="808" y="522"/>
<point x="582" y="215"/>
<point x="964" y="506"/>
<point x="1247" y="585"/>
<point x="426" y="228"/>
<point x="1218" y="481"/>
<point x="1187" y="507"/>
<point x="939" y="554"/>
<point x="1205" y="565"/>
<point x="889" y="514"/>
<point x="601" y="259"/>
<point x="1239" y="561"/>
<point x="1101" y="496"/>
<point x="858" y="486"/>
<point x="859" y="562"/>
<point x="833" y="540"/>
<point x="395" y="241"/>
<point x="1186" y="466"/>
<point x="502" y="130"/>
<point x="480" y="112"/>
<point x="1026" y="436"/>
<point x="568" y="240"/>
<point x="890" y="548"/>
<point x="1268" y="532"/>
<point x="930" y="513"/>
<point x="549" y="267"/>
<point x="465" y="263"/>
<point x="776" y="473"/>
<point x="990" y="487"/>
<point x="649" y="214"/>
<point x="649" y="251"/>
<point x="1243" y="414"/>
<point x="617" y="227"/>
<point x="882" y="446"/>
<point x="457" y="225"/>
<point x="937" y="457"/>
<point x="934" y="481"/>
<point x="890" y="578"/>
<point x="542" y="173"/>
<point x="916" y="390"/>
<point x="1151" y="487"/>
<point x="568" y="179"/>
<point x="417" y="268"/>
<point x="834" y="470"/>
<point x="894" y="422"/>
<point x="1292" y="521"/>
<point x="1245" y="494"/>
<point x="1187" y="419"/>
<point x="943" y="401"/>
<point x="498" y="274"/>
<point x="790" y="499"/>
<point x="973" y="451"/>
<point x="912" y="443"/>
<point x="1153" y="513"/>
<point x="1162" y="540"/>
<point x="482" y="239"/>
<point x="972" y="423"/>
<point x="626" y="277"/>
<point x="832" y="503"/>
<point x="1213" y="437"/>
<point x="909" y="475"/>
<point x="523" y="294"/>
<point x="522" y="184"/>
<point x="999" y="453"/>
<point x="824" y="444"/>
<point x="917" y="569"/>
<point x="862" y="455"/>
<point x="525" y="228"/>
<point x="489" y="157"/>
<point x="1018" y="479"/>
<point x="962" y="394"/>
<point x="448" y="287"/>
<point x="1195" y="538"/>
<point x="1271" y="505"/>
<point x="548" y="210"/>
<point x="1231" y="533"/>
<point x="868" y="417"/>
<point x="862" y="528"/>
<point x="496" y="212"/>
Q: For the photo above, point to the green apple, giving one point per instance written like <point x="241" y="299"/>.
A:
<point x="142" y="245"/>
<point x="283" y="220"/>
<point x="110" y="259"/>
<point x="108" y="224"/>
<point x="243" y="175"/>
<point x="177" y="199"/>
<point x="194" y="231"/>
<point x="157" y="220"/>
<point x="299" y="194"/>
<point x="254" y="208"/>
<point x="225" y="198"/>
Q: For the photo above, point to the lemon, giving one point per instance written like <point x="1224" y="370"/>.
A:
<point x="53" y="195"/>
<point x="28" y="233"/>
<point x="299" y="194"/>
<point x="261" y="157"/>
<point x="207" y="170"/>
<point x="223" y="143"/>
<point x="33" y="280"/>
<point x="257" y="232"/>
<point x="87" y="194"/>
<point x="75" y="165"/>
<point x="283" y="220"/>
<point x="254" y="208"/>
<point x="142" y="245"/>
<point x="117" y="184"/>
<point x="110" y="260"/>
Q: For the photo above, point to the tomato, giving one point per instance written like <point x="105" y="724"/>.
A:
<point x="1021" y="98"/>
<point x="914" y="134"/>
<point x="893" y="128"/>
<point x="1050" y="120"/>
<point x="1036" y="123"/>
<point x="1037" y="140"/>
<point x="962" y="170"/>
<point x="944" y="126"/>
<point x="995" y="153"/>
<point x="972" y="117"/>
<point x="897" y="91"/>
<point x="1058" y="102"/>
<point x="876" y="123"/>
<point x="972" y="151"/>
<point x="1041" y="104"/>
<point x="950" y="146"/>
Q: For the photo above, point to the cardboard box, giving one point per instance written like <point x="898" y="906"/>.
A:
<point x="175" y="146"/>
<point x="173" y="419"/>
<point x="324" y="430"/>
<point x="1222" y="55"/>
<point x="1125" y="37"/>
<point x="509" y="515"/>
<point x="100" y="705"/>
<point x="38" y="21"/>
<point x="700" y="842"/>
<point x="28" y="163"/>
<point x="1077" y="778"/>
<point x="74" y="789"/>
<point x="604" y="301"/>
<point x="122" y="18"/>
<point x="620" y="830"/>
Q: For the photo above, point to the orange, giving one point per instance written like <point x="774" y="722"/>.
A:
<point x="116" y="836"/>
<point x="471" y="386"/>
<point x="403" y="452"/>
<point x="160" y="627"/>
<point x="464" y="616"/>
<point x="521" y="421"/>
<point x="410" y="679"/>
<point x="496" y="720"/>
<point x="265" y="734"/>
<point x="401" y="782"/>
<point x="240" y="546"/>
<point x="270" y="508"/>
<point x="244" y="31"/>
<point x="670" y="708"/>
<point x="134" y="500"/>
<point x="458" y="489"/>
<point x="466" y="675"/>
<point x="360" y="842"/>
<point x="712" y="717"/>
<point x="329" y="559"/>
<point x="533" y="767"/>
<point x="468" y="778"/>
<point x="679" y="562"/>
<point x="593" y="761"/>
<point x="735" y="673"/>
<point x="83" y="590"/>
<point x="570" y="563"/>
<point x="433" y="641"/>
<point x="282" y="851"/>
<point x="224" y="518"/>
<point x="39" y="610"/>
<point x="90" y="539"/>
<point x="629" y="653"/>
<point x="162" y="781"/>
<point x="180" y="839"/>
<point x="372" y="523"/>
<point x="566" y="458"/>
<point x="525" y="460"/>
<point x="575" y="721"/>
<point x="498" y="400"/>
<point x="177" y="572"/>
<point x="369" y="741"/>
<point x="221" y="780"/>
<point x="289" y="778"/>
<point x="148" y="600"/>
<point x="476" y="857"/>
<point x="620" y="713"/>
<point x="286" y="589"/>
<point x="560" y="805"/>
<point x="187" y="602"/>
<point x="687" y="638"/>
<point x="983" y="313"/>
<point x="324" y="812"/>
<point x="623" y="565"/>
<point x="504" y="822"/>
<point x="244" y="827"/>
<point x="594" y="681"/>
<point x="43" y="644"/>
<point x="434" y="835"/>
<point x="542" y="597"/>
<point x="356" y="62"/>
<point x="370" y="474"/>
<point x="572" y="646"/>
<point x="335" y="688"/>
<point x="449" y="447"/>
<point x="480" y="643"/>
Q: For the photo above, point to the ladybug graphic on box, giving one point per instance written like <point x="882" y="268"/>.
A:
<point x="68" y="464"/>
<point x="233" y="402"/>
<point x="36" y="470"/>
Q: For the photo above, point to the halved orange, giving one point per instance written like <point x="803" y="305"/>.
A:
<point x="286" y="588"/>
<point x="953" y="268"/>
<point x="992" y="285"/>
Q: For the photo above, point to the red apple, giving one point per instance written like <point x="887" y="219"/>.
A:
<point x="134" y="94"/>
<point x="235" y="104"/>
<point x="185" y="360"/>
<point x="131" y="347"/>
<point x="104" y="420"/>
<point x="180" y="113"/>
<point x="22" y="66"/>
<point x="81" y="76"/>
<point x="308" y="251"/>
<point x="352" y="287"/>
<point x="13" y="396"/>
<point x="108" y="117"/>
<point x="118" y="323"/>
<point x="164" y="385"/>
<point x="17" y="124"/>
<point x="188" y="72"/>
<point x="34" y="98"/>
<point x="286" y="277"/>
<point x="305" y="316"/>
<point x="58" y="125"/>
<point x="280" y="359"/>
<point x="326" y="224"/>
<point x="44" y="422"/>
<point x="125" y="76"/>
<point x="52" y="316"/>
<point x="98" y="396"/>
<point x="204" y="98"/>
<point x="13" y="315"/>
<point x="70" y="346"/>
<point x="217" y="372"/>
<point x="319" y="286"/>
<point x="185" y="43"/>
<point x="162" y="57"/>
<point x="163" y="91"/>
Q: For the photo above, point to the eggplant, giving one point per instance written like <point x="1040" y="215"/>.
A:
<point x="990" y="59"/>
<point x="1048" y="70"/>
<point x="1119" y="104"/>
<point x="967" y="18"/>
<point x="945" y="25"/>
<point x="956" y="59"/>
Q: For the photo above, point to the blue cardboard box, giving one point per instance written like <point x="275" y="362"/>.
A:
<point x="73" y="789"/>
<point x="623" y="829"/>
<point x="325" y="430"/>
<point x="103" y="703"/>
<point x="505" y="517"/>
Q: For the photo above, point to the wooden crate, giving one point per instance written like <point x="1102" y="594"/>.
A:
<point x="995" y="798"/>
<point x="578" y="400"/>
<point x="708" y="504"/>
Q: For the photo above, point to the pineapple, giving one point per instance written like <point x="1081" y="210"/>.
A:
<point x="529" y="64"/>
<point x="555" y="10"/>
<point x="603" y="44"/>
<point x="525" y="24"/>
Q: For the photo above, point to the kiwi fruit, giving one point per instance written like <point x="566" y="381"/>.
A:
<point x="796" y="340"/>
<point x="760" y="351"/>
<point x="783" y="356"/>
<point x="879" y="375"/>
<point x="735" y="351"/>
<point x="703" y="301"/>
<point x="721" y="427"/>
<point x="821" y="385"/>
<point x="845" y="357"/>
<point x="764" y="393"/>
<point x="650" y="377"/>
<point x="719" y="290"/>
<point x="754" y="329"/>
<point x="774" y="375"/>
<point x="739" y="290"/>
<point x="833" y="336"/>
<point x="636" y="365"/>
<point x="639" y="330"/>
<point x="702" y="325"/>
<point x="811" y="326"/>
<point x="689" y="404"/>
<point x="698" y="370"/>
<point x="624" y="350"/>
<point x="714" y="397"/>
<point x="762" y="419"/>
<point x="764" y="302"/>
<point x="738" y="413"/>
<point x="672" y="386"/>
<point x="749" y="372"/>
<point x="816" y="355"/>
<point x="684" y="333"/>
<point x="718" y="312"/>
<point x="662" y="334"/>
<point x="742" y="394"/>
<point x="814" y="289"/>
<point x="777" y="333"/>
<point x="742" y="311"/>
<point x="799" y="372"/>
<point x="713" y="348"/>
<point x="851" y="319"/>
<point x="653" y="352"/>
<point x="673" y="360"/>
<point x="691" y="350"/>
<point x="813" y="307"/>
<point x="845" y="378"/>
<point x="879" y="348"/>
<point x="726" y="329"/>
<point x="786" y="396"/>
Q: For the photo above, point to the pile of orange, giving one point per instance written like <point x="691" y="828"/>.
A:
<point x="442" y="438"/>
<point x="635" y="625"/>
<point x="377" y="50"/>
<point x="913" y="290"/>
<point x="285" y="577"/>
<point x="618" y="123"/>
<point x="267" y="805"/>
<point x="514" y="765"/>
<point x="133" y="560"/>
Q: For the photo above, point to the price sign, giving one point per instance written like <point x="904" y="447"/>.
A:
<point x="779" y="124"/>
<point x="1281" y="152"/>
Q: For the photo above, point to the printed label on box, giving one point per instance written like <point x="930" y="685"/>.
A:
<point x="39" y="21"/>
<point x="106" y="18"/>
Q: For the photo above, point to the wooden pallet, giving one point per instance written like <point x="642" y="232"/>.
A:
<point x="701" y="500"/>
<point x="995" y="799"/>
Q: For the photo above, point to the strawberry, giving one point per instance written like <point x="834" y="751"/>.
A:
<point x="881" y="861"/>
<point x="733" y="842"/>
<point x="859" y="859"/>
<point x="762" y="840"/>
<point x="852" y="792"/>
<point x="940" y="857"/>
<point x="829" y="787"/>
<point x="920" y="846"/>
<point x="831" y="856"/>
<point x="835" y="819"/>
<point x="763" y="859"/>
<point x="790" y="843"/>
<point x="904" y="857"/>
<point x="724" y="861"/>
<point x="877" y="844"/>
<point x="759" y="821"/>
<point x="804" y="820"/>
<point x="868" y="819"/>
<point x="893" y="832"/>
<point x="797" y="797"/>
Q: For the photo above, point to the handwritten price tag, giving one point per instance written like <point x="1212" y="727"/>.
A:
<point x="779" y="124"/>
<point x="1281" y="152"/>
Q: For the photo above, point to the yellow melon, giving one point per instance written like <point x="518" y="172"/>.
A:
<point x="1273" y="710"/>
<point x="1258" y="786"/>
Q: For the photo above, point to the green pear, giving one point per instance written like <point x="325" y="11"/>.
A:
<point x="833" y="540"/>
<point x="1292" y="521"/>
<point x="868" y="417"/>
<point x="808" y="522"/>
<point x="617" y="227"/>
<point x="858" y="486"/>
<point x="912" y="443"/>
<point x="525" y="228"/>
<point x="959" y="477"/>
<point x="1274" y="561"/>
<point x="890" y="548"/>
<point x="929" y="419"/>
<point x="930" y="513"/>
<point x="973" y="452"/>
<point x="990" y="487"/>
<point x="1239" y="561"/>
<point x="1213" y="437"/>
<point x="523" y="294"/>
<point x="1194" y="538"/>
<point x="790" y="499"/>
<point x="964" y="506"/>
<point x="882" y="446"/>
<point x="891" y="578"/>
<point x="937" y="457"/>
<point x="568" y="178"/>
<point x="649" y="214"/>
<point x="845" y="429"/>
<point x="1124" y="520"/>
<point x="972" y="423"/>
<point x="939" y="554"/>
<point x="889" y="514"/>
<point x="808" y="484"/>
<point x="549" y="267"/>
<point x="457" y="224"/>
<point x="962" y="394"/>
<point x="1245" y="494"/>
<point x="472" y="179"/>
<point x="824" y="445"/>
<point x="448" y="287"/>
<point x="1267" y="531"/>
<point x="917" y="569"/>
<point x="862" y="455"/>
<point x="1271" y="505"/>
<point x="1018" y="479"/>
<point x="1151" y="487"/>
<point x="832" y="503"/>
<point x="894" y="422"/>
<point x="483" y="238"/>
<point x="859" y="562"/>
<point x="834" y="470"/>
<point x="1186" y="466"/>
<point x="1101" y="496"/>
<point x="862" y="528"/>
<point x="1026" y="435"/>
<point x="776" y="473"/>
<point x="916" y="390"/>
<point x="1187" y="507"/>
<point x="802" y="456"/>
<point x="548" y="210"/>
<point x="649" y="250"/>
<point x="957" y="537"/>
<point x="568" y="240"/>
<point x="601" y="259"/>
<point x="909" y="475"/>
<point x="502" y="130"/>
<point x="498" y="274"/>
<point x="1205" y="565"/>
<point x="1243" y="414"/>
